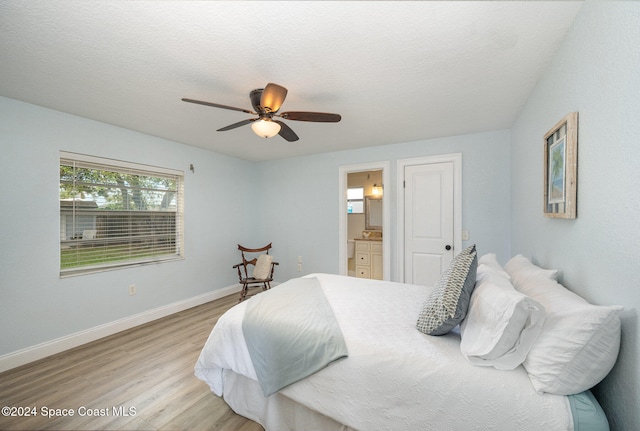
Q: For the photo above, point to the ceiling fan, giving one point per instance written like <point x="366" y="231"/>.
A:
<point x="267" y="102"/>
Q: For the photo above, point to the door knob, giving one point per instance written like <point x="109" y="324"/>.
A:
<point x="447" y="247"/>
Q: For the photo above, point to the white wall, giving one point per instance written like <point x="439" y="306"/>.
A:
<point x="597" y="73"/>
<point x="37" y="306"/>
<point x="301" y="198"/>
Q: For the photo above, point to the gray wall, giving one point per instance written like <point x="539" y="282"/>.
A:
<point x="597" y="73"/>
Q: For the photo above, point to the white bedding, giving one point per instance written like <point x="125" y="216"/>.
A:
<point x="395" y="378"/>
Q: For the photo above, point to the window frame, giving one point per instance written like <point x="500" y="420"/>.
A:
<point x="162" y="226"/>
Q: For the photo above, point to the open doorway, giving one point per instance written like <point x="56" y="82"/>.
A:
<point x="364" y="225"/>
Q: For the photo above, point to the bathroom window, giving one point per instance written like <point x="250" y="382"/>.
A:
<point x="355" y="200"/>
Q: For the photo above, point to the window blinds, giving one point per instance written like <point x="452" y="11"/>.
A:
<point x="115" y="214"/>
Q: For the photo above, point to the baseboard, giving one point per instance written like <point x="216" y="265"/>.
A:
<point x="48" y="348"/>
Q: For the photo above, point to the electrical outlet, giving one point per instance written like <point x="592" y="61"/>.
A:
<point x="299" y="267"/>
<point x="299" y="259"/>
<point x="132" y="289"/>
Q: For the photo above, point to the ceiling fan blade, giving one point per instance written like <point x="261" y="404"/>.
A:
<point x="238" y="124"/>
<point x="216" y="105"/>
<point x="272" y="97"/>
<point x="286" y="132"/>
<point x="320" y="117"/>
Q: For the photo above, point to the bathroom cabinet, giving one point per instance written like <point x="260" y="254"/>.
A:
<point x="368" y="255"/>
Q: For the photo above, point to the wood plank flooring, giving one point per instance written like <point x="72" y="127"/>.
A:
<point x="139" y="379"/>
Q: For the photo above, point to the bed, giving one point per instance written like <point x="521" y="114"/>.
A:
<point x="393" y="377"/>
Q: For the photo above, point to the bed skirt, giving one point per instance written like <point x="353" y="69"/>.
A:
<point x="280" y="413"/>
<point x="275" y="412"/>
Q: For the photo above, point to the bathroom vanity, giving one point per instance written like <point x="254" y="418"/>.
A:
<point x="368" y="258"/>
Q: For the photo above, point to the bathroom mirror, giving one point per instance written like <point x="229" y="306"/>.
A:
<point x="373" y="213"/>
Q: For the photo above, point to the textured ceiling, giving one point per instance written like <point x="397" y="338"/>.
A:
<point x="396" y="71"/>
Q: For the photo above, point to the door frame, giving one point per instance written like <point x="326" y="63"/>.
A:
<point x="456" y="159"/>
<point x="387" y="235"/>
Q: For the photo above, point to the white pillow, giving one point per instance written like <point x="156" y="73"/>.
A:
<point x="520" y="264"/>
<point x="502" y="324"/>
<point x="490" y="261"/>
<point x="263" y="267"/>
<point x="519" y="268"/>
<point x="579" y="342"/>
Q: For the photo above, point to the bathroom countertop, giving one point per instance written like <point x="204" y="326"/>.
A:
<point x="377" y="238"/>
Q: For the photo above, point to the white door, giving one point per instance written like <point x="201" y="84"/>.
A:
<point x="429" y="221"/>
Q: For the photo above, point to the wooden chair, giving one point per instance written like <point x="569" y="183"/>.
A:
<point x="247" y="269"/>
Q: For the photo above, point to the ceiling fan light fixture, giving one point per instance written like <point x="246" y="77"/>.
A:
<point x="266" y="103"/>
<point x="265" y="128"/>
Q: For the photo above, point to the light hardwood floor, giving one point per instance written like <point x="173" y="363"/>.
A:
<point x="146" y="372"/>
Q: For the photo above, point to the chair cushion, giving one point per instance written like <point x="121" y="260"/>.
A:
<point x="262" y="269"/>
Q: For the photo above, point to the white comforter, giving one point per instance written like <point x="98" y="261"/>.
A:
<point x="395" y="377"/>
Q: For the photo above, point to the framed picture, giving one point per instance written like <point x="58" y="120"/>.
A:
<point x="561" y="168"/>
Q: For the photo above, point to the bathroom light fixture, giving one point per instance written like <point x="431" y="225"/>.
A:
<point x="265" y="128"/>
<point x="376" y="190"/>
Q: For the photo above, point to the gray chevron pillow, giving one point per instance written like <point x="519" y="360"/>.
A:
<point x="447" y="305"/>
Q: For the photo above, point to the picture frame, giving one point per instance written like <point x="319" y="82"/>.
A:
<point x="561" y="168"/>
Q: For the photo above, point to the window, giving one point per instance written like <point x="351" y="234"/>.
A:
<point x="355" y="200"/>
<point x="115" y="214"/>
